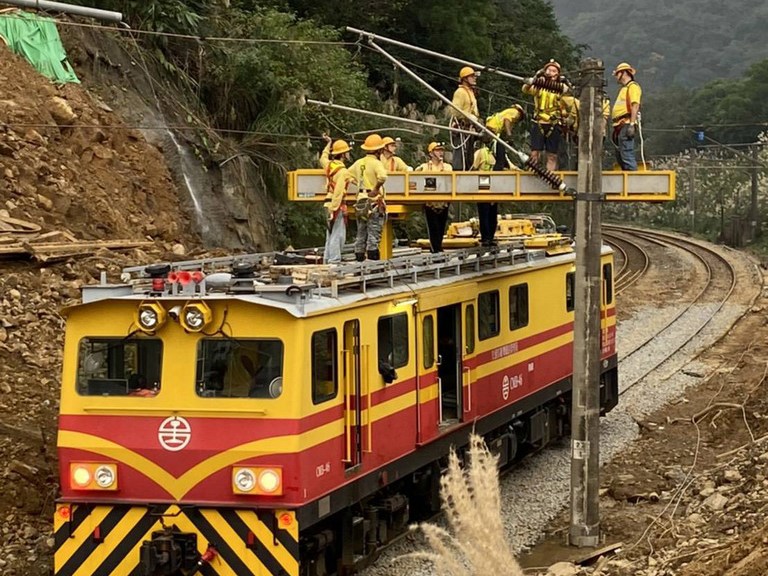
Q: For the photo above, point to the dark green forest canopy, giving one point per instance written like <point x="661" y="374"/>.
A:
<point x="686" y="42"/>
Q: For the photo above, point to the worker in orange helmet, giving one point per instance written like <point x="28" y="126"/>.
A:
<point x="626" y="115"/>
<point x="370" y="207"/>
<point x="545" y="129"/>
<point x="392" y="162"/>
<point x="337" y="179"/>
<point x="463" y="111"/>
<point x="435" y="213"/>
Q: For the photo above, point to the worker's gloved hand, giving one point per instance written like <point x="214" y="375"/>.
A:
<point x="631" y="131"/>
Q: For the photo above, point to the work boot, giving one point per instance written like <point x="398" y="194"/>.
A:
<point x="373" y="254"/>
<point x="359" y="256"/>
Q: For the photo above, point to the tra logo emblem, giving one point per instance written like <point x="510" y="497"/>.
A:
<point x="174" y="433"/>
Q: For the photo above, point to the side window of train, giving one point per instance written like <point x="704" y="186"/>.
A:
<point x="239" y="368"/>
<point x="469" y="324"/>
<point x="393" y="340"/>
<point x="570" y="287"/>
<point x="325" y="383"/>
<point x="488" y="317"/>
<point x="428" y="329"/>
<point x="518" y="306"/>
<point x="119" y="367"/>
<point x="608" y="279"/>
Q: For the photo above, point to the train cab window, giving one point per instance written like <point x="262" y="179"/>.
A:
<point x="393" y="340"/>
<point x="229" y="368"/>
<point x="428" y="330"/>
<point x="119" y="367"/>
<point x="518" y="306"/>
<point x="469" y="327"/>
<point x="488" y="317"/>
<point x="570" y="291"/>
<point x="608" y="281"/>
<point x="324" y="369"/>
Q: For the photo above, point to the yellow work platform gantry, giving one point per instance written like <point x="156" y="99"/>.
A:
<point x="510" y="186"/>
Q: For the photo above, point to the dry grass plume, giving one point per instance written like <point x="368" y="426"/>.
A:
<point x="474" y="544"/>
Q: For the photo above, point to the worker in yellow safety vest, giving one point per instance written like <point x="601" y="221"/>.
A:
<point x="545" y="129"/>
<point x="371" y="207"/>
<point x="337" y="179"/>
<point x="464" y="106"/>
<point x="487" y="212"/>
<point x="501" y="124"/>
<point x="389" y="158"/>
<point x="435" y="213"/>
<point x="626" y="115"/>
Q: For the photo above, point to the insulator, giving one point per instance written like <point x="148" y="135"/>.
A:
<point x="549" y="84"/>
<point x="549" y="177"/>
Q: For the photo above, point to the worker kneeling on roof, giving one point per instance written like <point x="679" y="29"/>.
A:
<point x="370" y="208"/>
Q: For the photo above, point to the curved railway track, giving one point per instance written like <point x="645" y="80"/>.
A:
<point x="634" y="260"/>
<point x="719" y="282"/>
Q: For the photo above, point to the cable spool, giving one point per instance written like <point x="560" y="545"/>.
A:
<point x="549" y="177"/>
<point x="549" y="84"/>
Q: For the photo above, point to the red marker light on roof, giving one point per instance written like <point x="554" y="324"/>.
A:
<point x="183" y="277"/>
<point x="197" y="276"/>
<point x="158" y="284"/>
<point x="173" y="277"/>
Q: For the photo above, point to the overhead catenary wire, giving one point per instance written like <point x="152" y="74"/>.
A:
<point x="552" y="179"/>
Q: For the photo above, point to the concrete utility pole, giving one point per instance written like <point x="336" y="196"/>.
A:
<point x="585" y="422"/>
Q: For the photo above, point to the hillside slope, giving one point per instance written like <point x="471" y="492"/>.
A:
<point x="688" y="42"/>
<point x="68" y="164"/>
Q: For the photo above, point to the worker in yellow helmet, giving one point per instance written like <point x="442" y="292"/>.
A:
<point x="626" y="115"/>
<point x="463" y="109"/>
<point x="337" y="179"/>
<point x="501" y="124"/>
<point x="389" y="158"/>
<point x="435" y="213"/>
<point x="545" y="129"/>
<point x="371" y="207"/>
<point x="487" y="212"/>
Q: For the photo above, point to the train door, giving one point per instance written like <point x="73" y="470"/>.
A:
<point x="606" y="299"/>
<point x="449" y="364"/>
<point x="353" y="408"/>
<point x="427" y="381"/>
<point x="468" y="361"/>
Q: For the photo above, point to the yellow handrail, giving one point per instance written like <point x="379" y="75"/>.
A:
<point x="347" y="402"/>
<point x="367" y="382"/>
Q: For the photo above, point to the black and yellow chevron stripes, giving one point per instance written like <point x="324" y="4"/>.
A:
<point x="105" y="540"/>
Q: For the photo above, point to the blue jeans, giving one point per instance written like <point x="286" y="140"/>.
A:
<point x="625" y="150"/>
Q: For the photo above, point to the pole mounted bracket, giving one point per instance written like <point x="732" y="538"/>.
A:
<point x="585" y="196"/>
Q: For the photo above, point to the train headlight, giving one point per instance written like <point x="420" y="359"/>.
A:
<point x="150" y="316"/>
<point x="196" y="316"/>
<point x="258" y="480"/>
<point x="245" y="480"/>
<point x="105" y="476"/>
<point x="276" y="387"/>
<point x="93" y="476"/>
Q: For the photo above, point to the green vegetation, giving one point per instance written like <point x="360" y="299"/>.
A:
<point x="688" y="42"/>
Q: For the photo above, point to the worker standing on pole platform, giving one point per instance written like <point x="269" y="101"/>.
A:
<point x="435" y="213"/>
<point x="370" y="207"/>
<point x="464" y="104"/>
<point x="337" y="181"/>
<point x="502" y="124"/>
<point x="487" y="212"/>
<point x="545" y="130"/>
<point x="626" y="115"/>
<point x="392" y="162"/>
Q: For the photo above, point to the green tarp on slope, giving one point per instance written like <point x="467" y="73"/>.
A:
<point x="37" y="39"/>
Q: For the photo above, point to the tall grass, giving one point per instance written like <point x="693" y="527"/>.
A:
<point x="474" y="543"/>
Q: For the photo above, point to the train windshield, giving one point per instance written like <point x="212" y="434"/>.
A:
<point x="119" y="367"/>
<point x="239" y="368"/>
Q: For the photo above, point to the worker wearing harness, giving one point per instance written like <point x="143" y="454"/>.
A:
<point x="464" y="104"/>
<point x="435" y="213"/>
<point x="626" y="115"/>
<point x="337" y="181"/>
<point x="545" y="130"/>
<point x="370" y="207"/>
<point x="389" y="158"/>
<point x="501" y="124"/>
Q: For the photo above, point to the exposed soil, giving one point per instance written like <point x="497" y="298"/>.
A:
<point x="68" y="164"/>
<point x="689" y="497"/>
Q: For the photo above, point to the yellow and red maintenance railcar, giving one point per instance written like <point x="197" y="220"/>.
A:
<point x="214" y="423"/>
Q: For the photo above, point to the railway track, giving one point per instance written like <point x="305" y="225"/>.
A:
<point x="633" y="260"/>
<point x="688" y="322"/>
